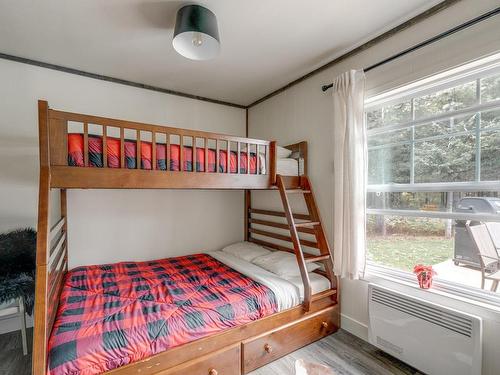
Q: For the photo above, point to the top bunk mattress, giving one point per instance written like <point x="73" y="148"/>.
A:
<point x="288" y="167"/>
<point x="95" y="147"/>
<point x="285" y="167"/>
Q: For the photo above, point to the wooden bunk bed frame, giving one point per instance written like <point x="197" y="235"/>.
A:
<point x="235" y="351"/>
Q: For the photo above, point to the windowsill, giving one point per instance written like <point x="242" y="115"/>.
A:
<point x="481" y="298"/>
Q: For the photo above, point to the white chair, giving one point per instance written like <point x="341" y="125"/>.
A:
<point x="16" y="308"/>
<point x="487" y="252"/>
<point x="494" y="231"/>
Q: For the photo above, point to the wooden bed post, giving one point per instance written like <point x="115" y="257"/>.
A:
<point x="64" y="216"/>
<point x="273" y="162"/>
<point x="248" y="206"/>
<point x="40" y="332"/>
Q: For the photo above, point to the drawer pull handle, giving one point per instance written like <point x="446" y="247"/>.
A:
<point x="324" y="325"/>
<point x="212" y="372"/>
<point x="268" y="348"/>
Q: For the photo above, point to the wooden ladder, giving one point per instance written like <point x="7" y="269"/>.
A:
<point x="314" y="222"/>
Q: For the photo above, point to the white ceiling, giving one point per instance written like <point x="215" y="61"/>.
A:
<point x="265" y="43"/>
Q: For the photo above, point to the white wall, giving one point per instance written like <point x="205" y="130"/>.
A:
<point x="109" y="226"/>
<point x="304" y="112"/>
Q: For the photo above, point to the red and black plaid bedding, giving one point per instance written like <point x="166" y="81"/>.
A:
<point x="75" y="155"/>
<point x="111" y="315"/>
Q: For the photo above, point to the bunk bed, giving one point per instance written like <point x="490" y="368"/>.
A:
<point x="248" y="331"/>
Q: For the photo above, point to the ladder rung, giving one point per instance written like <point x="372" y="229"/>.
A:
<point x="271" y="245"/>
<point x="326" y="293"/>
<point x="278" y="213"/>
<point x="280" y="225"/>
<point x="307" y="224"/>
<point x="317" y="258"/>
<point x="297" y="191"/>
<point x="283" y="237"/>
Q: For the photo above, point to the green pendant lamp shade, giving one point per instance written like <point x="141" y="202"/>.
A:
<point x="196" y="35"/>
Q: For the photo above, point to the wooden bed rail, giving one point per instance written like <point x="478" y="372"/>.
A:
<point x="122" y="176"/>
<point x="50" y="275"/>
<point x="51" y="253"/>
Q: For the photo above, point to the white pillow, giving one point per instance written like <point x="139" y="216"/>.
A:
<point x="282" y="264"/>
<point x="283" y="153"/>
<point x="246" y="250"/>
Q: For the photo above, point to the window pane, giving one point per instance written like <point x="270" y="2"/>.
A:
<point x="450" y="159"/>
<point x="408" y="228"/>
<point x="389" y="165"/>
<point x="402" y="242"/>
<point x="490" y="88"/>
<point x="453" y="125"/>
<point x="425" y="201"/>
<point x="490" y="156"/>
<point x="389" y="115"/>
<point x="490" y="119"/>
<point x="454" y="98"/>
<point x="397" y="113"/>
<point x="374" y="119"/>
<point x="386" y="138"/>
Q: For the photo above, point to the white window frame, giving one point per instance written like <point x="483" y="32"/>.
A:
<point x="473" y="71"/>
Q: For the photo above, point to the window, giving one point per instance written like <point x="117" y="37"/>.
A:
<point x="434" y="165"/>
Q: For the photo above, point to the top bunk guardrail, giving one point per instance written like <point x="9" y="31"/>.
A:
<point x="85" y="151"/>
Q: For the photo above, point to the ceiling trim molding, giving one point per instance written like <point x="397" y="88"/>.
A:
<point x="386" y="35"/>
<point x="372" y="42"/>
<point x="120" y="81"/>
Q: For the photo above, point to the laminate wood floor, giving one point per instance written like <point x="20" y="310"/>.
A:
<point x="343" y="352"/>
<point x="12" y="360"/>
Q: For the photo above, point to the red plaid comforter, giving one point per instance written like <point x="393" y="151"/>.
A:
<point x="75" y="156"/>
<point x="112" y="315"/>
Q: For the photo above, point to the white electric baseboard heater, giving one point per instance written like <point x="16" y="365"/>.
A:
<point x="430" y="337"/>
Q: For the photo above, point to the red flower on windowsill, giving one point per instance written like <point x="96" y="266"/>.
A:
<point x="424" y="275"/>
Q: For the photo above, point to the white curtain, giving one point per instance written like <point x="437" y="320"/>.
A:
<point x="350" y="174"/>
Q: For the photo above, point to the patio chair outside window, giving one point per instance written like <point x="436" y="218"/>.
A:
<point x="487" y="252"/>
<point x="494" y="230"/>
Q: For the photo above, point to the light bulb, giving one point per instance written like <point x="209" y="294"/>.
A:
<point x="197" y="39"/>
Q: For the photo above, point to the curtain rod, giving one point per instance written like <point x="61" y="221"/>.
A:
<point x="443" y="35"/>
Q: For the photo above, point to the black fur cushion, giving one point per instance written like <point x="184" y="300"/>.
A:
<point x="17" y="266"/>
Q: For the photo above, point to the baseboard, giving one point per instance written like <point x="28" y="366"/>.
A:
<point x="353" y="326"/>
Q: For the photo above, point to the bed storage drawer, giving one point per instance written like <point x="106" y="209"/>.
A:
<point x="274" y="344"/>
<point x="226" y="361"/>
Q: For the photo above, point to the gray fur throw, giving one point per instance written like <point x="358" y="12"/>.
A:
<point x="17" y="268"/>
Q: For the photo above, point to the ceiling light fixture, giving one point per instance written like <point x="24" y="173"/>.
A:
<point x="196" y="35"/>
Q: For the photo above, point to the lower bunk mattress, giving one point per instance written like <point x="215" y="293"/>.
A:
<point x="116" y="314"/>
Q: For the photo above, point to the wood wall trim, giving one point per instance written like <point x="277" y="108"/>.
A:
<point x="119" y="81"/>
